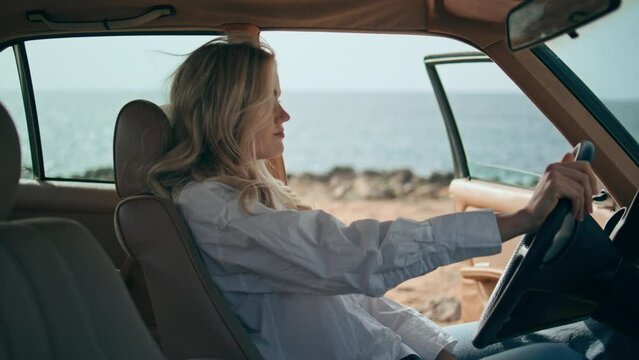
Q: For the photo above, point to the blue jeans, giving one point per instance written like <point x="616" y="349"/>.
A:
<point x="587" y="338"/>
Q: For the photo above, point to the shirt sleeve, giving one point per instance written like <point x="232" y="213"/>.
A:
<point x="419" y="333"/>
<point x="312" y="251"/>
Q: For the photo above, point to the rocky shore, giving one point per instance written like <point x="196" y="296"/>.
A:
<point x="344" y="183"/>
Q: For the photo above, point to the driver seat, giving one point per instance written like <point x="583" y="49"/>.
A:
<point x="193" y="318"/>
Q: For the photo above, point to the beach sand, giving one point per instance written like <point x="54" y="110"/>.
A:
<point x="436" y="294"/>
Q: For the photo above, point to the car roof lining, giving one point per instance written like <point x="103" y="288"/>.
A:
<point x="381" y="16"/>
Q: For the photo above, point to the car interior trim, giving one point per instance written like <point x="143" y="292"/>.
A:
<point x="589" y="100"/>
<point x="460" y="162"/>
<point x="28" y="97"/>
<point x="563" y="109"/>
<point x="106" y="24"/>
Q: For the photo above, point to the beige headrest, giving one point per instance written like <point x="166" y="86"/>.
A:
<point x="142" y="134"/>
<point x="10" y="162"/>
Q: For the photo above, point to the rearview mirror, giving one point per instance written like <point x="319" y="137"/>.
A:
<point x="536" y="21"/>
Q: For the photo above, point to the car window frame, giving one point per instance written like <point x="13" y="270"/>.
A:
<point x="460" y="161"/>
<point x="29" y="101"/>
<point x="462" y="167"/>
<point x="589" y="101"/>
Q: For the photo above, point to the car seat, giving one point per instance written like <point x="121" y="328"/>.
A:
<point x="193" y="318"/>
<point x="61" y="296"/>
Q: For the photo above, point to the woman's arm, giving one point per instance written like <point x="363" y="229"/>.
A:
<point x="313" y="252"/>
<point x="569" y="179"/>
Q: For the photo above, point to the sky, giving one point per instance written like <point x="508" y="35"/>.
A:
<point x="328" y="61"/>
<point x="306" y="61"/>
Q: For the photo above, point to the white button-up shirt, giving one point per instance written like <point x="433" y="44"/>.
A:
<point x="307" y="286"/>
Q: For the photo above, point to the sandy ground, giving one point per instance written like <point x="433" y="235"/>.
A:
<point x="423" y="292"/>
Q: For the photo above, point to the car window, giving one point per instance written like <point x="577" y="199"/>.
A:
<point x="11" y="98"/>
<point x="368" y="109"/>
<point x="605" y="56"/>
<point x="506" y="138"/>
<point x="80" y="85"/>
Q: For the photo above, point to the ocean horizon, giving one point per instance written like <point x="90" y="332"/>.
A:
<point x="363" y="130"/>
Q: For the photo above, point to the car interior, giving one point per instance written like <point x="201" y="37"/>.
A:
<point x="66" y="301"/>
<point x="95" y="269"/>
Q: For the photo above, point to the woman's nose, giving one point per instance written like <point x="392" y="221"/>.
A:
<point x="282" y="115"/>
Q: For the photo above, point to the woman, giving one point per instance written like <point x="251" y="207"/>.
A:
<point x="303" y="284"/>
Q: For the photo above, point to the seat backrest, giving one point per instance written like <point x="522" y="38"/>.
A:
<point x="60" y="297"/>
<point x="193" y="318"/>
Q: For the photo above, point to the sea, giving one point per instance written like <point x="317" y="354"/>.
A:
<point x="362" y="130"/>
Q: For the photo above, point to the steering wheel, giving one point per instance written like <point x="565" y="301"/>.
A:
<point x="555" y="276"/>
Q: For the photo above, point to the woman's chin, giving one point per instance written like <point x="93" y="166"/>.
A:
<point x="266" y="155"/>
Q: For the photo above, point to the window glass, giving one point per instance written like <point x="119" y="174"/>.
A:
<point x="370" y="108"/>
<point x="605" y="57"/>
<point x="506" y="138"/>
<point x="11" y="98"/>
<point x="81" y="84"/>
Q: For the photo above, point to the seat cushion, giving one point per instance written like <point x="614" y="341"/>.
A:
<point x="62" y="298"/>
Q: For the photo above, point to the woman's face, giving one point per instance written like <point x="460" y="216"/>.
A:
<point x="269" y="142"/>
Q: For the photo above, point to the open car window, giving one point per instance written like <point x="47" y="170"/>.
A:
<point x="366" y="109"/>
<point x="497" y="133"/>
<point x="79" y="86"/>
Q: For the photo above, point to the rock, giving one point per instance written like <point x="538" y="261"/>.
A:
<point x="344" y="183"/>
<point x="401" y="182"/>
<point x="403" y="176"/>
<point x="105" y="174"/>
<point x="441" y="178"/>
<point x="340" y="191"/>
<point x="305" y="176"/>
<point x="372" y="173"/>
<point x="369" y="188"/>
<point x="430" y="191"/>
<point x="444" y="310"/>
<point x="344" y="172"/>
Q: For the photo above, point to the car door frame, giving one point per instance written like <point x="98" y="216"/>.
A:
<point x="460" y="163"/>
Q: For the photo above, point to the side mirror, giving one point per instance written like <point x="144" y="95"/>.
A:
<point x="535" y="21"/>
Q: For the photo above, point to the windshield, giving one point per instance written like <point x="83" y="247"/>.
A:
<point x="605" y="56"/>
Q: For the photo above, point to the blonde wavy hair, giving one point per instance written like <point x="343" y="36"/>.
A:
<point x="221" y="97"/>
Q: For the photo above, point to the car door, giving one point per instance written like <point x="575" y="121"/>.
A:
<point x="501" y="144"/>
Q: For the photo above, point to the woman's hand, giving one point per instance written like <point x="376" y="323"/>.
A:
<point x="569" y="179"/>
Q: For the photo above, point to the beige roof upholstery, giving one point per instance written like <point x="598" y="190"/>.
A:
<point x="202" y="14"/>
<point x="386" y="16"/>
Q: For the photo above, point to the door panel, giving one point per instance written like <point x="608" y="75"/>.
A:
<point x="92" y="205"/>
